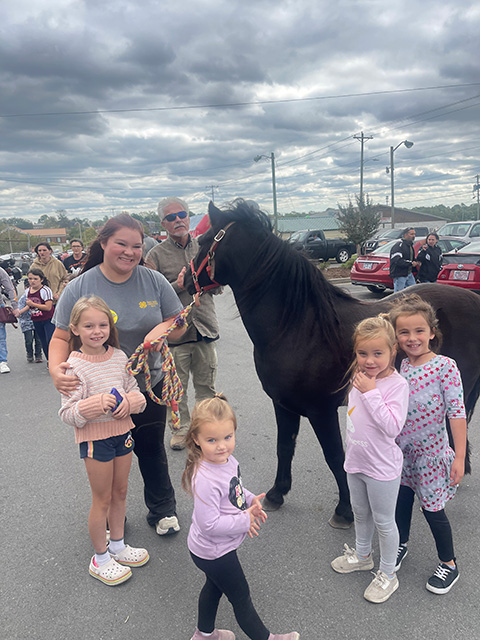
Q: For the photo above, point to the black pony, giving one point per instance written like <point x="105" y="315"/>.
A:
<point x="301" y="327"/>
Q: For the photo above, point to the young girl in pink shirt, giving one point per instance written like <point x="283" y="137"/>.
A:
<point x="377" y="409"/>
<point x="99" y="410"/>
<point x="224" y="513"/>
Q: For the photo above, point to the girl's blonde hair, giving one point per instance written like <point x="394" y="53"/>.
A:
<point x="410" y="305"/>
<point x="371" y="329"/>
<point x="83" y="304"/>
<point x="213" y="409"/>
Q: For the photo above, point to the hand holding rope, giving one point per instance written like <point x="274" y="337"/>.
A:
<point x="172" y="391"/>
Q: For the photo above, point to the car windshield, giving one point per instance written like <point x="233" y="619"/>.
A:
<point x="390" y="233"/>
<point x="384" y="250"/>
<point x="454" y="229"/>
<point x="298" y="236"/>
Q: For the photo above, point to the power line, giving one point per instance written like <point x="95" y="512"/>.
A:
<point x="227" y="105"/>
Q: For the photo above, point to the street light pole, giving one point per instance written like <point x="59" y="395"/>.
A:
<point x="409" y="145"/>
<point x="274" y="189"/>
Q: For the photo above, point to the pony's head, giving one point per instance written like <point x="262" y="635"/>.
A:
<point x="212" y="263"/>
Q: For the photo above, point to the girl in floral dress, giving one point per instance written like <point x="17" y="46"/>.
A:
<point x="431" y="468"/>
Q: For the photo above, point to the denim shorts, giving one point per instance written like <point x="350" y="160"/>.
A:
<point x="108" y="449"/>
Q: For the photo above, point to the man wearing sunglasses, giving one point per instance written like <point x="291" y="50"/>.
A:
<point x="195" y="352"/>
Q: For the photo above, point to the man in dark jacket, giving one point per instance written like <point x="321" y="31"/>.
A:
<point x="402" y="260"/>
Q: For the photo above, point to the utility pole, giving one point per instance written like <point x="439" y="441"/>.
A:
<point x="212" y="187"/>
<point x="362" y="139"/>
<point x="476" y="187"/>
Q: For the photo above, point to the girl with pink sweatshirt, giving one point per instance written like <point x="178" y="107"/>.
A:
<point x="99" y="410"/>
<point x="377" y="409"/>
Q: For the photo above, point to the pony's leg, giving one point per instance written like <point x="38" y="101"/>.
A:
<point x="288" y="425"/>
<point x="327" y="430"/>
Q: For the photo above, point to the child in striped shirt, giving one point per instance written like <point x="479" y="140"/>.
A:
<point x="102" y="426"/>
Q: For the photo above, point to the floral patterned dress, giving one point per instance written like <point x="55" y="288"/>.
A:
<point x="436" y="391"/>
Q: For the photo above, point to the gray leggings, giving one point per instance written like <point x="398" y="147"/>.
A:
<point x="373" y="504"/>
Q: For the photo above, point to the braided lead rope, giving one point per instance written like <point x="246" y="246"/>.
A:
<point x="172" y="390"/>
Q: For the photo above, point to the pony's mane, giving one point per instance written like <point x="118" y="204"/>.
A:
<point x="300" y="284"/>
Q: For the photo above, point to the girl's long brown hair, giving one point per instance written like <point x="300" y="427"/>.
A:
<point x="90" y="302"/>
<point x="210" y="410"/>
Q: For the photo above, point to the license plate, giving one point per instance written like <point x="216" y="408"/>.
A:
<point x="460" y="275"/>
<point x="367" y="265"/>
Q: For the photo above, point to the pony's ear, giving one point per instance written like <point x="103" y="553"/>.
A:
<point x="214" y="214"/>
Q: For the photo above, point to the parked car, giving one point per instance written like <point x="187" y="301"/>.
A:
<point x="462" y="268"/>
<point x="468" y="230"/>
<point x="385" y="236"/>
<point x="373" y="270"/>
<point x="318" y="247"/>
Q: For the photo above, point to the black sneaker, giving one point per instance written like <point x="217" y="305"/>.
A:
<point x="401" y="554"/>
<point x="443" y="579"/>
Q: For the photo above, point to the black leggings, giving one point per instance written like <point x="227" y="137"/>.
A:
<point x="225" y="576"/>
<point x="437" y="521"/>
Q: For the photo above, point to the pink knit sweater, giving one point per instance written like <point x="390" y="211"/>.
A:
<point x="84" y="408"/>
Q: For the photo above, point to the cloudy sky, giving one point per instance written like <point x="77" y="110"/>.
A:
<point x="109" y="105"/>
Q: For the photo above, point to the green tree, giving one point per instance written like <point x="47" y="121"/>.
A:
<point x="358" y="223"/>
<point x="48" y="222"/>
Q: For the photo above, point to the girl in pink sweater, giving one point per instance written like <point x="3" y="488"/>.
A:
<point x="377" y="409"/>
<point x="102" y="426"/>
<point x="224" y="513"/>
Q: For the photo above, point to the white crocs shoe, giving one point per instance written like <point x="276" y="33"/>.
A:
<point x="131" y="556"/>
<point x="110" y="573"/>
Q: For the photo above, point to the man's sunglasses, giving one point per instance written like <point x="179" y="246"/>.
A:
<point x="173" y="216"/>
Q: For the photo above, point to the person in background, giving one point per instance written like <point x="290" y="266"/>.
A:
<point x="430" y="259"/>
<point x="7" y="287"/>
<point x="52" y="268"/>
<point x="148" y="243"/>
<point x="28" y="330"/>
<point x="194" y="353"/>
<point x="73" y="264"/>
<point x="402" y="261"/>
<point x="40" y="302"/>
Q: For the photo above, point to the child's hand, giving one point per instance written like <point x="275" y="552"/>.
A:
<point x="257" y="515"/>
<point x="457" y="471"/>
<point x="363" y="383"/>
<point x="108" y="402"/>
<point x="123" y="409"/>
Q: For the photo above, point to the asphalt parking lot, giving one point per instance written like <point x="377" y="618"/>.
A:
<point x="47" y="593"/>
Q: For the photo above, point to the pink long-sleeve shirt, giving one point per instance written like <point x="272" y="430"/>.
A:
<point x="374" y="420"/>
<point x="219" y="521"/>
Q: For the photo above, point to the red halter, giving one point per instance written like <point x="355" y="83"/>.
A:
<point x="209" y="263"/>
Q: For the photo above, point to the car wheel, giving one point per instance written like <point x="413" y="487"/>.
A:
<point x="342" y="256"/>
<point x="376" y="288"/>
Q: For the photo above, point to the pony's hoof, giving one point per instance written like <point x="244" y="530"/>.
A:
<point x="338" y="522"/>
<point x="268" y="505"/>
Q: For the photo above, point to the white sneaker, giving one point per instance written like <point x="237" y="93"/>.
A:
<point x="350" y="562"/>
<point x="4" y="368"/>
<point x="381" y="588"/>
<point x="168" y="525"/>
